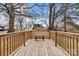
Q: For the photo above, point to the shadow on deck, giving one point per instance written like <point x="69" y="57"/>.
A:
<point x="39" y="48"/>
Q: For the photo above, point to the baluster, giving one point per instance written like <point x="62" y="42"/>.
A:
<point x="56" y="39"/>
<point x="24" y="39"/>
<point x="70" y="46"/>
<point x="63" y="41"/>
<point x="4" y="46"/>
<point x="18" y="40"/>
<point x="10" y="44"/>
<point x="66" y="42"/>
<point x="60" y="40"/>
<point x="19" y="36"/>
<point x="30" y="35"/>
<point x="73" y="46"/>
<point x="21" y="41"/>
<point x="77" y="46"/>
<point x="14" y="43"/>
<point x="7" y="45"/>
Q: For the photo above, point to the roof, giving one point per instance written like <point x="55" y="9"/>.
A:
<point x="37" y="26"/>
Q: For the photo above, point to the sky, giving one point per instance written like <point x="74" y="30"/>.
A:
<point x="40" y="10"/>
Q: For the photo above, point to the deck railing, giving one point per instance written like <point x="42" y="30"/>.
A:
<point x="69" y="42"/>
<point x="9" y="42"/>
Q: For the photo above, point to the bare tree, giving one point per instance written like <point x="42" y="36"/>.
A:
<point x="11" y="9"/>
<point x="65" y="17"/>
<point x="53" y="16"/>
<point x="50" y="15"/>
<point x="21" y="20"/>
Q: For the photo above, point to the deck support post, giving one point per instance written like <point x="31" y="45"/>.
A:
<point x="56" y="39"/>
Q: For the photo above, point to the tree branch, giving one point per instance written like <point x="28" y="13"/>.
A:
<point x="19" y="5"/>
<point x="30" y="7"/>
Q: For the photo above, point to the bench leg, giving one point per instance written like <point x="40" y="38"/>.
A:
<point x="43" y="38"/>
<point x="35" y="38"/>
<point x="49" y="38"/>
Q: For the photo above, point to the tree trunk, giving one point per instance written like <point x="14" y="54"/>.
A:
<point x="65" y="18"/>
<point x="50" y="15"/>
<point x="53" y="16"/>
<point x="21" y="26"/>
<point x="11" y="18"/>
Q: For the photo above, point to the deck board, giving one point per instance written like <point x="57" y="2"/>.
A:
<point x="39" y="48"/>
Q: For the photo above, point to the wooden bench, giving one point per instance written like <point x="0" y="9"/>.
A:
<point x="39" y="35"/>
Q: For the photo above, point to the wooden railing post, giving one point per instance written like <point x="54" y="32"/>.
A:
<point x="24" y="38"/>
<point x="56" y="39"/>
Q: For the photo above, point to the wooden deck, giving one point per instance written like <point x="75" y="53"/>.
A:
<point x="39" y="48"/>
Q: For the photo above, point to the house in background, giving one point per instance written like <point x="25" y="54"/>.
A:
<point x="70" y="26"/>
<point x="37" y="26"/>
<point x="2" y="28"/>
